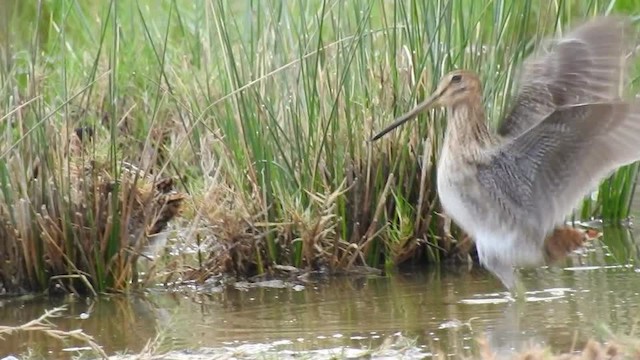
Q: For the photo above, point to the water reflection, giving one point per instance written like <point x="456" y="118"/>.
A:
<point x="443" y="309"/>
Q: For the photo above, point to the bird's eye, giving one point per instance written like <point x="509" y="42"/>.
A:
<point x="456" y="78"/>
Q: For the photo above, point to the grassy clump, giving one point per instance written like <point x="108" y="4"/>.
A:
<point x="262" y="110"/>
<point x="73" y="209"/>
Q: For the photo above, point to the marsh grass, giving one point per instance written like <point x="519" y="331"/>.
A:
<point x="75" y="213"/>
<point x="261" y="110"/>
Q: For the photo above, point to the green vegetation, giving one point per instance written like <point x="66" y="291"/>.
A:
<point x="260" y="111"/>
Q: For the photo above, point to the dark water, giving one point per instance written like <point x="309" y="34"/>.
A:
<point x="444" y="310"/>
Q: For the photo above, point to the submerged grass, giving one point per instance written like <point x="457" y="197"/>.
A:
<point x="260" y="110"/>
<point x="44" y="326"/>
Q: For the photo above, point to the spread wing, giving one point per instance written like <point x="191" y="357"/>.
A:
<point x="539" y="176"/>
<point x="585" y="66"/>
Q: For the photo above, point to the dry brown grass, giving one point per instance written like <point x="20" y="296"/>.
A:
<point x="44" y="325"/>
<point x="615" y="349"/>
<point x="76" y="222"/>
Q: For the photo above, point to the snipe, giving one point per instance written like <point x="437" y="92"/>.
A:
<point x="567" y="129"/>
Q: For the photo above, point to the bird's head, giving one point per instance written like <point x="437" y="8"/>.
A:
<point x="455" y="88"/>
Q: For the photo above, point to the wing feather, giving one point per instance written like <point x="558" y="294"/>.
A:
<point x="585" y="66"/>
<point x="539" y="176"/>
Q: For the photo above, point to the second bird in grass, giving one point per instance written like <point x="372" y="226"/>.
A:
<point x="567" y="129"/>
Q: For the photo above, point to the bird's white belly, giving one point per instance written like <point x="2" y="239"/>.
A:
<point x="460" y="211"/>
<point x="499" y="242"/>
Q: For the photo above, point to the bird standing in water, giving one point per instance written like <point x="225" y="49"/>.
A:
<point x="511" y="189"/>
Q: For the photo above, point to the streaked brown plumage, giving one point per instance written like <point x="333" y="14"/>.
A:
<point x="566" y="131"/>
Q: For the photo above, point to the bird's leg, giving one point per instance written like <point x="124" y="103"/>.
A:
<point x="507" y="275"/>
<point x="561" y="242"/>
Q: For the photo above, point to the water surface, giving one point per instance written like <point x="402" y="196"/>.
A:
<point x="434" y="310"/>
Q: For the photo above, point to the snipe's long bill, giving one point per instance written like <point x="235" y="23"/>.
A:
<point x="567" y="129"/>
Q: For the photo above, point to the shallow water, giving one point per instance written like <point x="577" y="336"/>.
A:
<point x="444" y="310"/>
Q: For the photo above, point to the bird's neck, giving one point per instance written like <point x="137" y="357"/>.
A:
<point x="467" y="129"/>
